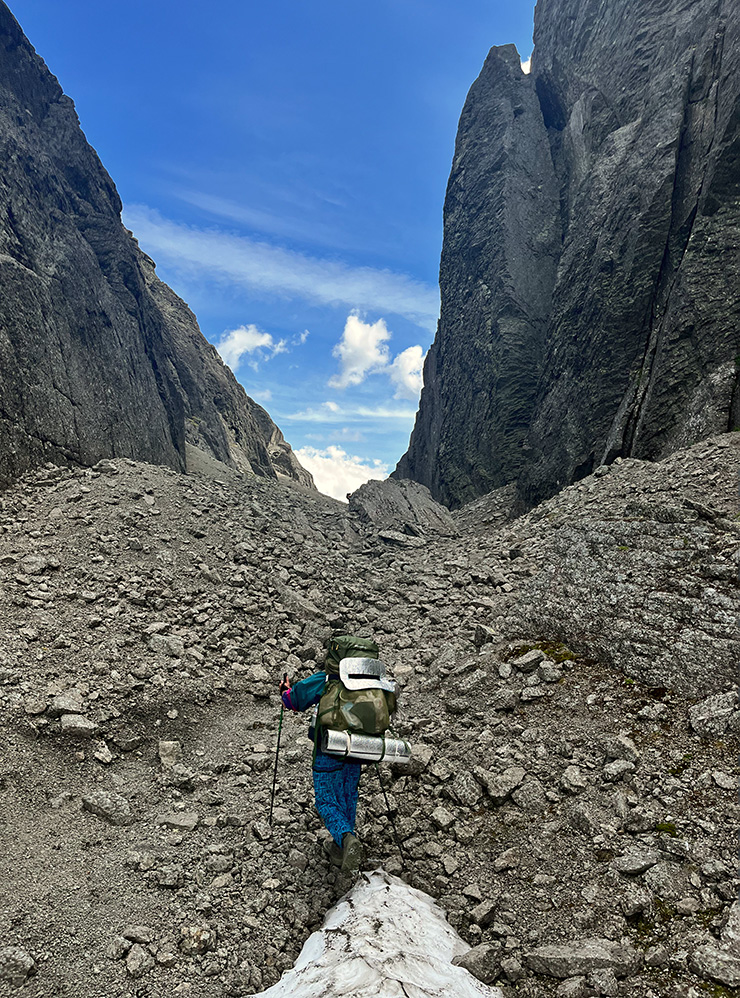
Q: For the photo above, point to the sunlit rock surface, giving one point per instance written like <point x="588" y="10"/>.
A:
<point x="383" y="939"/>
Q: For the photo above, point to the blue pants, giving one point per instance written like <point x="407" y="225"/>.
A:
<point x="336" y="798"/>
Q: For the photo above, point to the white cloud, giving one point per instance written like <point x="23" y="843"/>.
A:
<point x="338" y="473"/>
<point x="262" y="267"/>
<point x="406" y="373"/>
<point x="263" y="395"/>
<point x="361" y="351"/>
<point x="299" y="339"/>
<point x="248" y="339"/>
<point x="527" y="66"/>
<point x="333" y="413"/>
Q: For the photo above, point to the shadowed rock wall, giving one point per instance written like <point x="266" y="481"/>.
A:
<point x="98" y="358"/>
<point x="593" y="290"/>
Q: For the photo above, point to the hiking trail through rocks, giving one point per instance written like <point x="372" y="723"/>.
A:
<point x="565" y="679"/>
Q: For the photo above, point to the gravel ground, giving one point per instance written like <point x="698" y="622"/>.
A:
<point x="572" y="802"/>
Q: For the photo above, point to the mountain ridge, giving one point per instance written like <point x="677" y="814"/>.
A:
<point x="99" y="358"/>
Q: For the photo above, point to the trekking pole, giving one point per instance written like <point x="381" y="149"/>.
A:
<point x="277" y="754"/>
<point x="390" y="818"/>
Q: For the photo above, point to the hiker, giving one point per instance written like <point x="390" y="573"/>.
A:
<point x="335" y="781"/>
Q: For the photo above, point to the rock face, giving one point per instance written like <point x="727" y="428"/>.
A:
<point x="402" y="505"/>
<point x="98" y="358"/>
<point x="589" y="270"/>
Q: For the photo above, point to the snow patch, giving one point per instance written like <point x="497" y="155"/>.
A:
<point x="383" y="938"/>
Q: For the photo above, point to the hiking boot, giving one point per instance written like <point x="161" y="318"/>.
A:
<point x="351" y="854"/>
<point x="333" y="851"/>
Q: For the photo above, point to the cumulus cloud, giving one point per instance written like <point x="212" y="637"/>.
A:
<point x="527" y="65"/>
<point x="362" y="350"/>
<point x="262" y="267"/>
<point x="248" y="340"/>
<point x="406" y="373"/>
<point x="338" y="473"/>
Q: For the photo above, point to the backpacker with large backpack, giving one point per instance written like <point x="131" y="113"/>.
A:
<point x="354" y="714"/>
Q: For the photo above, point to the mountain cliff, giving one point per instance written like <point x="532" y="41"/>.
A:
<point x="589" y="270"/>
<point x="98" y="358"/>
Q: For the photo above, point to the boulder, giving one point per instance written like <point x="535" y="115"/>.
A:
<point x="581" y="957"/>
<point x="402" y="506"/>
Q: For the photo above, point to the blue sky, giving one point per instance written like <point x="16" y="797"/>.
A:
<point x="285" y="166"/>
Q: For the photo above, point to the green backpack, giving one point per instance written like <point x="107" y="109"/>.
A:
<point x="366" y="712"/>
<point x="347" y="646"/>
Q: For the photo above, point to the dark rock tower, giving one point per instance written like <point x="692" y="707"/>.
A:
<point x="590" y="273"/>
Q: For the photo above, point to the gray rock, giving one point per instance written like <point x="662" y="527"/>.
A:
<point x="501" y="140"/>
<point x="504" y="700"/>
<point x="582" y="957"/>
<point x="401" y="505"/>
<point x="499" y="786"/>
<point x="484" y="913"/>
<point x="621" y="747"/>
<point x="464" y="789"/>
<point x="138" y="934"/>
<point x="117" y="948"/>
<point x="549" y="672"/>
<point x="508" y="860"/>
<point x="724" y="780"/>
<point x="530" y="796"/>
<point x="34" y="564"/>
<point x="166" y="644"/>
<point x="513" y="969"/>
<point x="401" y="540"/>
<point x="483" y="635"/>
<point x="71" y="702"/>
<point x="442" y="818"/>
<point x="171" y="876"/>
<point x="717" y="964"/>
<point x="483" y="962"/>
<point x="16" y="966"/>
<point x="604" y="982"/>
<point x="668" y="880"/>
<point x="139" y="961"/>
<point x="77" y="726"/>
<point x="638" y="861"/>
<point x="721" y="962"/>
<point x="616" y="769"/>
<point x="530" y="661"/>
<point x="710" y="718"/>
<point x="183" y="821"/>
<point x="111" y="807"/>
<point x="573" y="780"/>
<point x="575" y="987"/>
<point x="197" y="939"/>
<point x="169" y="753"/>
<point x="102" y="753"/>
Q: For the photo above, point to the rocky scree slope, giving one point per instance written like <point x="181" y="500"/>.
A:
<point x="98" y="357"/>
<point x="589" y="272"/>
<point x="574" y="819"/>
